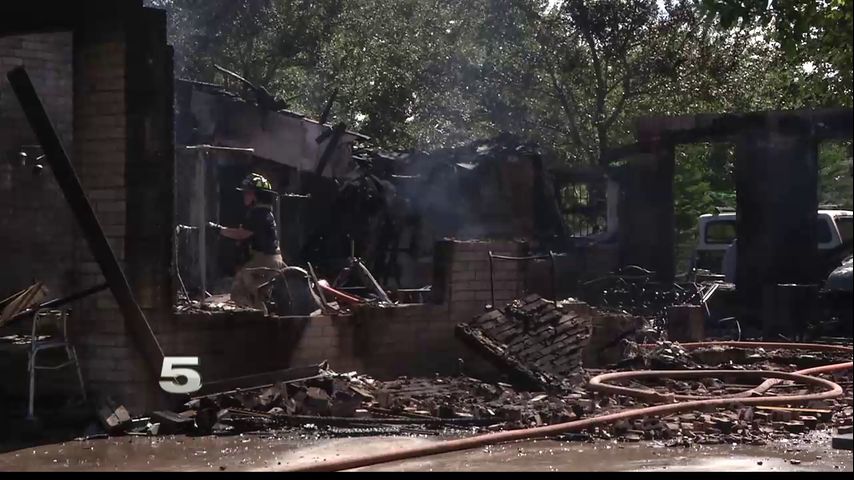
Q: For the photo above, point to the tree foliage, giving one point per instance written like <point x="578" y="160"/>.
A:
<point x="585" y="68"/>
<point x="818" y="34"/>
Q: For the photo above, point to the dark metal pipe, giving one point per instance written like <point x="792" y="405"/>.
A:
<point x="551" y="257"/>
<point x="135" y="321"/>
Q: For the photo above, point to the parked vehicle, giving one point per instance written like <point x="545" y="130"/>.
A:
<point x="717" y="232"/>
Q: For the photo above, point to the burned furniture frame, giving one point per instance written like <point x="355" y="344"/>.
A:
<point x="776" y="176"/>
<point x="506" y="258"/>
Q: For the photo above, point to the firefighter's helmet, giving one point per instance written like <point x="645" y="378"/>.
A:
<point x="255" y="183"/>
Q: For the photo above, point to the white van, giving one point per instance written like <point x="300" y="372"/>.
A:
<point x="717" y="232"/>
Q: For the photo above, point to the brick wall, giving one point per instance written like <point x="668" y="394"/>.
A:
<point x="412" y="340"/>
<point x="108" y="85"/>
<point x="420" y="339"/>
<point x="111" y="365"/>
<point x="123" y="126"/>
<point x="35" y="223"/>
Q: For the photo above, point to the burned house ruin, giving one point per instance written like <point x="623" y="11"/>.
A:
<point x="116" y="193"/>
<point x="103" y="71"/>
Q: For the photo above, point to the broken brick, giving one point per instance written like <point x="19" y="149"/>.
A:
<point x="794" y="426"/>
<point x="171" y="422"/>
<point x="809" y="421"/>
<point x="114" y="419"/>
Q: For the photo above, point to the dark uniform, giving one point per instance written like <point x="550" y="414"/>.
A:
<point x="262" y="223"/>
<point x="265" y="256"/>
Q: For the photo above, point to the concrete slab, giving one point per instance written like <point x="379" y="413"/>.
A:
<point x="269" y="452"/>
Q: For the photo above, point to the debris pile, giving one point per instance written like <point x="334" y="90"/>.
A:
<point x="351" y="404"/>
<point x="539" y="341"/>
<point x="298" y="292"/>
<point x="669" y="356"/>
<point x="333" y="401"/>
<point x="634" y="291"/>
<point x="742" y="425"/>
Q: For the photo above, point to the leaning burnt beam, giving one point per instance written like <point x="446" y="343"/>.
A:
<point x="135" y="321"/>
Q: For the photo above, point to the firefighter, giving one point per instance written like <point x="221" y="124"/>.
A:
<point x="259" y="229"/>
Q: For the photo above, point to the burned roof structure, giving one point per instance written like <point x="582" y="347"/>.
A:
<point x="393" y="206"/>
<point x="213" y="115"/>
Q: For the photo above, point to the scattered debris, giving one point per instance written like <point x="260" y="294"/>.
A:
<point x="668" y="356"/>
<point x="351" y="404"/>
<point x="170" y="422"/>
<point x="114" y="418"/>
<point x="21" y="301"/>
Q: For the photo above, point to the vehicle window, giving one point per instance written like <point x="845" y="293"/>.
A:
<point x="845" y="226"/>
<point x="720" y="232"/>
<point x="824" y="234"/>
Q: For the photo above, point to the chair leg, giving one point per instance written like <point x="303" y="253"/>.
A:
<point x="72" y="354"/>
<point x="32" y="395"/>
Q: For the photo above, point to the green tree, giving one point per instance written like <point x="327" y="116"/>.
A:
<point x="272" y="43"/>
<point x="587" y="67"/>
<point x="817" y="34"/>
<point x="403" y="68"/>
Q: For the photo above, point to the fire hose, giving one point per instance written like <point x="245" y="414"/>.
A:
<point x="831" y="390"/>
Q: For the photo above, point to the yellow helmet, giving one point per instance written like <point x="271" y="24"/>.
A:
<point x="254" y="183"/>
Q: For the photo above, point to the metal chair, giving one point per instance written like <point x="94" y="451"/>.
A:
<point x="51" y="343"/>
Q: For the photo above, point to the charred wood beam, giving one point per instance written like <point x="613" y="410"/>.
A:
<point x="135" y="321"/>
<point x="263" y="97"/>
<point x="297" y="420"/>
<point x="260" y="381"/>
<point x="823" y="124"/>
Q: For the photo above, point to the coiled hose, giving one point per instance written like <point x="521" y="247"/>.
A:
<point x="747" y="398"/>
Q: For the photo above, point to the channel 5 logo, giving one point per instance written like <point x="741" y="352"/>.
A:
<point x="177" y="378"/>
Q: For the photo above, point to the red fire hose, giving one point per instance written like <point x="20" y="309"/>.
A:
<point x="831" y="390"/>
